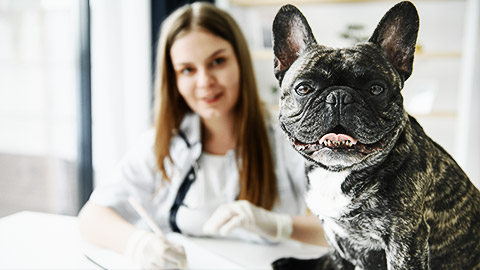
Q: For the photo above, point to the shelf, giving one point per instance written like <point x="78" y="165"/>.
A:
<point x="301" y="2"/>
<point x="267" y="54"/>
<point x="439" y="55"/>
<point x="437" y="115"/>
<point x="264" y="54"/>
<point x="293" y="2"/>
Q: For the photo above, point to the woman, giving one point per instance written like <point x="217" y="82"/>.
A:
<point x="214" y="164"/>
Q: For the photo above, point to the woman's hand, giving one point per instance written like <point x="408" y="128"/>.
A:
<point x="243" y="214"/>
<point x="152" y="251"/>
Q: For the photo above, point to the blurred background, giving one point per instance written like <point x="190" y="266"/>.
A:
<point x="76" y="82"/>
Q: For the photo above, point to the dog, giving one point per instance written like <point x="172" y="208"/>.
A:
<point x="388" y="196"/>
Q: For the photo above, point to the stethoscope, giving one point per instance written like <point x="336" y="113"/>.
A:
<point x="182" y="190"/>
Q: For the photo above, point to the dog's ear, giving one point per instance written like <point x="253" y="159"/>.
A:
<point x="291" y="36"/>
<point x="396" y="34"/>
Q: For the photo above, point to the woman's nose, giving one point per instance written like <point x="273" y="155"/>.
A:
<point x="205" y="78"/>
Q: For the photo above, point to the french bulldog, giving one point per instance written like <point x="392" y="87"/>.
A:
<point x="389" y="197"/>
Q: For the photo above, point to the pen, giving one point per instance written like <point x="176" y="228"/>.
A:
<point x="144" y="215"/>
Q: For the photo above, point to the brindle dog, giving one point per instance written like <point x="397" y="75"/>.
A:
<point x="388" y="195"/>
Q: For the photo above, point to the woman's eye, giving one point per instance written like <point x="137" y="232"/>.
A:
<point x="376" y="89"/>
<point x="186" y="71"/>
<point x="303" y="89"/>
<point x="218" y="61"/>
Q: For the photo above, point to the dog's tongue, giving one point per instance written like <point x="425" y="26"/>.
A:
<point x="337" y="137"/>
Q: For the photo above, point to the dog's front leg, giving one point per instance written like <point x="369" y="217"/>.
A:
<point x="408" y="247"/>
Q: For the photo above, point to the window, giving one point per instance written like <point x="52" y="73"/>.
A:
<point x="39" y="86"/>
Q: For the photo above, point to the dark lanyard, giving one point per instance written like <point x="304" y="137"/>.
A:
<point x="182" y="192"/>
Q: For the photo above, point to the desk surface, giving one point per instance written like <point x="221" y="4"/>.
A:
<point x="30" y="240"/>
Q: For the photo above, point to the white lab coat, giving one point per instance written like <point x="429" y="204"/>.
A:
<point x="137" y="176"/>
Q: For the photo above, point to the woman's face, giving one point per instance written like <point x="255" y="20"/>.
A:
<point x="207" y="73"/>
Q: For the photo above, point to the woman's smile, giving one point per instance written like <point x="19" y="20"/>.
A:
<point x="212" y="98"/>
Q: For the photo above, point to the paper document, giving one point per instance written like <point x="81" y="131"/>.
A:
<point x="197" y="257"/>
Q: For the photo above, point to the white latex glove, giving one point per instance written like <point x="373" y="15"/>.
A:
<point x="243" y="214"/>
<point x="152" y="251"/>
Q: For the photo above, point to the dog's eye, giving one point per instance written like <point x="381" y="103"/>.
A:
<point x="303" y="89"/>
<point x="376" y="89"/>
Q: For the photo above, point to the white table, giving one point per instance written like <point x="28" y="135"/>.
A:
<point x="31" y="240"/>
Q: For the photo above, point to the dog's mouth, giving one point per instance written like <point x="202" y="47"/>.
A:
<point x="337" y="140"/>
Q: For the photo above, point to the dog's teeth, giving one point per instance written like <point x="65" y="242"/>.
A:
<point x="333" y="143"/>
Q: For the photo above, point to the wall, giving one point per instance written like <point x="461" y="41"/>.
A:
<point x="468" y="124"/>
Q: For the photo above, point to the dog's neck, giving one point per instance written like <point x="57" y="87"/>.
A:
<point x="325" y="197"/>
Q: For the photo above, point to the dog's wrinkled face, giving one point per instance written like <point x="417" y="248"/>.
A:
<point x="342" y="108"/>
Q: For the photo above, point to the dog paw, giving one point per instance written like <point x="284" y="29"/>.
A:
<point x="290" y="263"/>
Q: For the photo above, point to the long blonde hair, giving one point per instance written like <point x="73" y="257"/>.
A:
<point x="253" y="153"/>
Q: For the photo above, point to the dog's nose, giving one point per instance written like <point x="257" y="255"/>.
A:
<point x="339" y="96"/>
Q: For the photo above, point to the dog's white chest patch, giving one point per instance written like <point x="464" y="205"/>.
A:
<point x="325" y="197"/>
